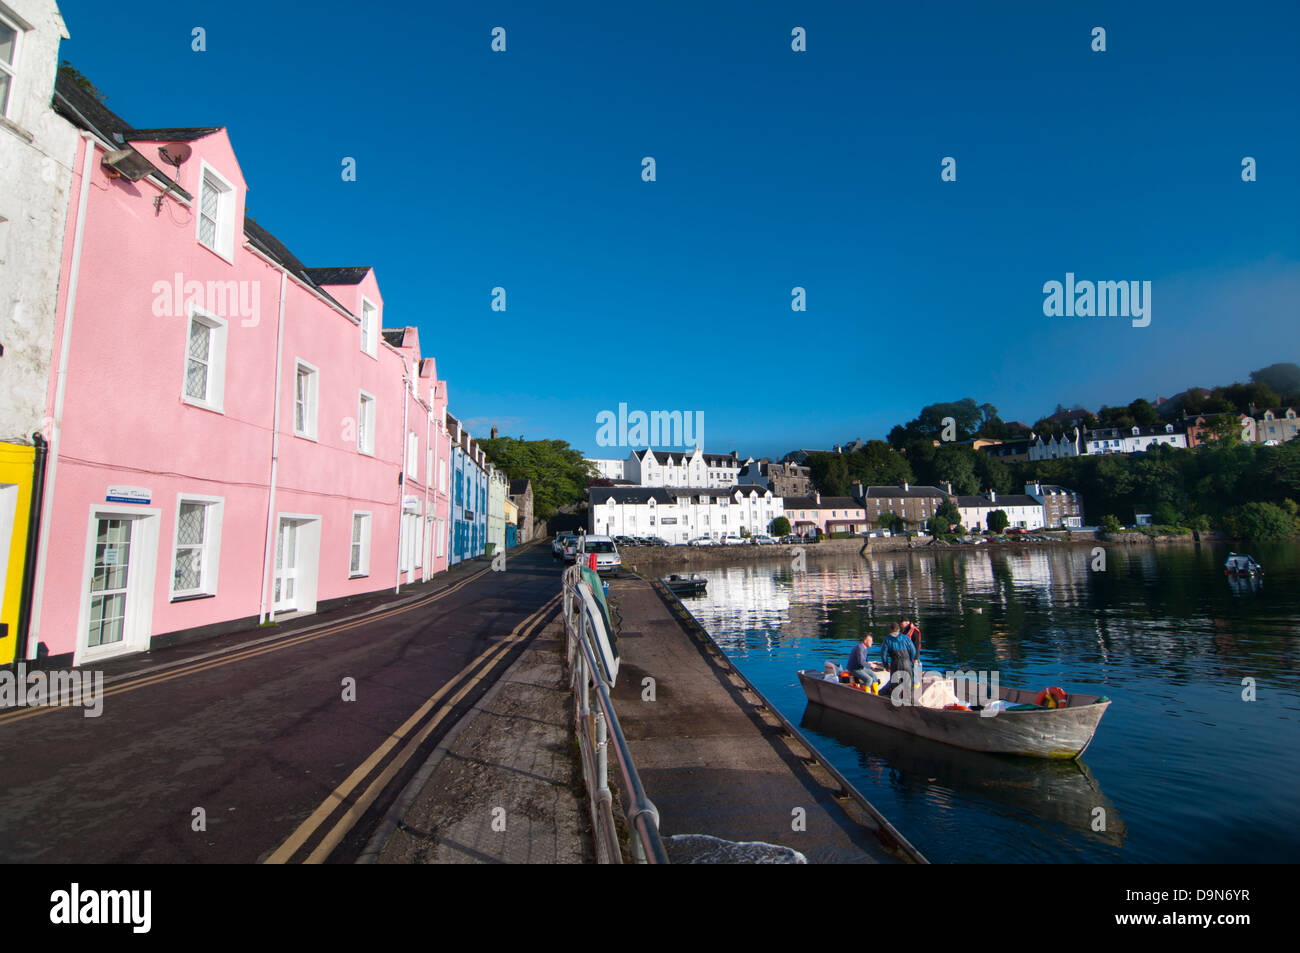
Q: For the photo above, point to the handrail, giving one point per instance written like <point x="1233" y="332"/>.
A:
<point x="596" y="730"/>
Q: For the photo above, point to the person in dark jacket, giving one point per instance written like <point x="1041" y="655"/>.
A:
<point x="898" y="653"/>
<point x="860" y="661"/>
<point x="909" y="629"/>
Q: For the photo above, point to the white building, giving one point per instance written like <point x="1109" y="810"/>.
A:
<point x="37" y="147"/>
<point x="1134" y="439"/>
<point x="1022" y="510"/>
<point x="680" y="514"/>
<point x="1055" y="448"/>
<point x="663" y="468"/>
<point x="609" y="469"/>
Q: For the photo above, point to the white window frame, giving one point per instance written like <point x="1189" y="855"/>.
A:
<point x="442" y="475"/>
<point x="370" y="335"/>
<point x="366" y="418"/>
<point x="363" y="544"/>
<point x="413" y="455"/>
<point x="215" y="399"/>
<point x="7" y="108"/>
<point x="310" y="413"/>
<point x="214" y="511"/>
<point x="224" y="245"/>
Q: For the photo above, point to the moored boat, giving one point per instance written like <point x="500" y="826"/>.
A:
<point x="1242" y="564"/>
<point x="685" y="585"/>
<point x="1027" y="728"/>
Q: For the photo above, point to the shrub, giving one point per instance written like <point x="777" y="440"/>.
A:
<point x="1259" y="521"/>
<point x="1110" y="523"/>
<point x="780" y="526"/>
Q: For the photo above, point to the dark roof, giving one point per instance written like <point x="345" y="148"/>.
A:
<point x="183" y="134"/>
<point x="1111" y="433"/>
<point x="665" y="494"/>
<point x="84" y="111"/>
<point x="519" y="487"/>
<point x="276" y="250"/>
<point x="896" y="491"/>
<point x="395" y="337"/>
<point x="827" y="503"/>
<point x="347" y="275"/>
<point x="1010" y="499"/>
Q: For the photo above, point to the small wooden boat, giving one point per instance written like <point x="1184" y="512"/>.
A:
<point x="685" y="585"/>
<point x="1241" y="564"/>
<point x="1060" y="733"/>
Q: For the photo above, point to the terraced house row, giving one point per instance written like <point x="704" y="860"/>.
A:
<point x="197" y="431"/>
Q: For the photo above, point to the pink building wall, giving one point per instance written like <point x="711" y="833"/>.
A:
<point x="125" y="422"/>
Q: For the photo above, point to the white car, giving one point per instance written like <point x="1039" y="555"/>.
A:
<point x="557" y="544"/>
<point x="734" y="541"/>
<point x="605" y="550"/>
<point x="702" y="541"/>
<point x="762" y="539"/>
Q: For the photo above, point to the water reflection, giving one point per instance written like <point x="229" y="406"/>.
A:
<point x="1060" y="792"/>
<point x="1161" y="631"/>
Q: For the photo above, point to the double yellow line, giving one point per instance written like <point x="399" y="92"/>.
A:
<point x="254" y="651"/>
<point x="339" y="796"/>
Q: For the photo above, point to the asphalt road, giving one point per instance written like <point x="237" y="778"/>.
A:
<point x="261" y="738"/>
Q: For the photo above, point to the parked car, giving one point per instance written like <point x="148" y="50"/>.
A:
<point x="606" y="551"/>
<point x="734" y="541"/>
<point x="655" y="541"/>
<point x="702" y="541"/>
<point x="626" y="541"/>
<point x="762" y="539"/>
<point x="557" y="544"/>
<point x="570" y="548"/>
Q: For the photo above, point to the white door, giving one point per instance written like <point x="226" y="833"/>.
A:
<point x="109" y="582"/>
<point x="285" y="597"/>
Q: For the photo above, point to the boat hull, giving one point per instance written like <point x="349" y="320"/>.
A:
<point x="1060" y="733"/>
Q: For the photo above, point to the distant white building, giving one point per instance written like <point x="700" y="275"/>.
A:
<point x="663" y="468"/>
<point x="609" y="469"/>
<point x="680" y="514"/>
<point x="1055" y="448"/>
<point x="1134" y="439"/>
<point x="1022" y="510"/>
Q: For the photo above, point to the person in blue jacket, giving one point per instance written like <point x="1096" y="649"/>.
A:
<point x="859" y="661"/>
<point x="898" y="652"/>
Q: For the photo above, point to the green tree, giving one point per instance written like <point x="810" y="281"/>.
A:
<point x="944" y="519"/>
<point x="1283" y="379"/>
<point x="1109" y="524"/>
<point x="893" y="522"/>
<point x="956" y="465"/>
<point x="998" y="521"/>
<point x="1261" y="521"/>
<point x="559" y="473"/>
<point x="780" y="526"/>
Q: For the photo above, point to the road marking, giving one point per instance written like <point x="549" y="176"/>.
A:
<point x="239" y="655"/>
<point x="484" y="662"/>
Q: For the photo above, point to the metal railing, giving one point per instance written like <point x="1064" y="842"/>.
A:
<point x="597" y="729"/>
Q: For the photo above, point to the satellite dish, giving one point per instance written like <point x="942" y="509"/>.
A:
<point x="174" y="153"/>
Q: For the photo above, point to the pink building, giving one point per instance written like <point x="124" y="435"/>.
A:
<point x="236" y="437"/>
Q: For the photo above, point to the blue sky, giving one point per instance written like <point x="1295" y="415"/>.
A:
<point x="775" y="169"/>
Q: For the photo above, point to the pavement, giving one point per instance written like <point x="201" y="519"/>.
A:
<point x="505" y="786"/>
<point x="711" y="758"/>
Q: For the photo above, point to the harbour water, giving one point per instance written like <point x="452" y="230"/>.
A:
<point x="1184" y="767"/>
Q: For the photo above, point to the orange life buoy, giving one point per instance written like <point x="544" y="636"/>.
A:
<point x="1051" y="697"/>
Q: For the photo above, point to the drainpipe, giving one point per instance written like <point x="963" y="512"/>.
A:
<point x="33" y="541"/>
<point x="432" y="459"/>
<point x="65" y="347"/>
<point x="265" y="611"/>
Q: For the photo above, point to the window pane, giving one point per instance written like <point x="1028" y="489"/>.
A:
<point x="8" y="41"/>
<point x="196" y="380"/>
<point x="189" y="528"/>
<point x="4" y="91"/>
